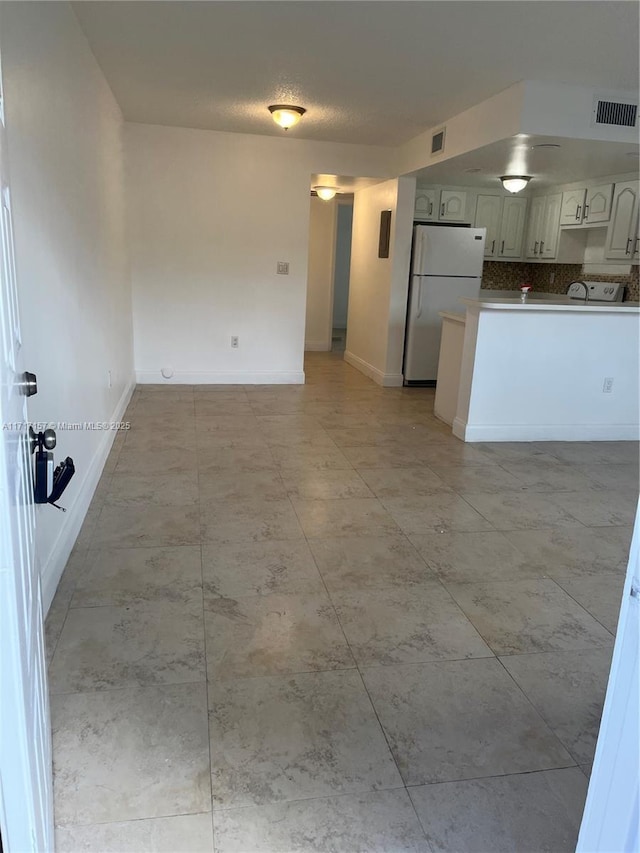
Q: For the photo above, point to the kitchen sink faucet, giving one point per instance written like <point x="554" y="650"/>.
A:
<point x="586" y="289"/>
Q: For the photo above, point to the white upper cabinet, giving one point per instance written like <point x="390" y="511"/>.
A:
<point x="622" y="236"/>
<point x="573" y="206"/>
<point x="586" y="204"/>
<point x="512" y="227"/>
<point x="452" y="205"/>
<point x="550" y="226"/>
<point x="426" y="204"/>
<point x="488" y="210"/>
<point x="534" y="231"/>
<point x="597" y="206"/>
<point x="544" y="225"/>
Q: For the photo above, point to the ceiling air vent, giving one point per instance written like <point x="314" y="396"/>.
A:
<point x="615" y="113"/>
<point x="437" y="141"/>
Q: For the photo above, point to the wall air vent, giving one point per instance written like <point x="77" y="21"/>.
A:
<point x="615" y="113"/>
<point x="437" y="141"/>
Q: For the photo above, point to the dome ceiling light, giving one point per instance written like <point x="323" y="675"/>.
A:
<point x="515" y="183"/>
<point x="325" y="193"/>
<point x="286" y="115"/>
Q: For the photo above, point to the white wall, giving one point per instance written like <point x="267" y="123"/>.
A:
<point x="537" y="375"/>
<point x="65" y="151"/>
<point x="322" y="243"/>
<point x="496" y="118"/>
<point x="378" y="286"/>
<point x="560" y="109"/>
<point x="527" y="107"/>
<point x="210" y="215"/>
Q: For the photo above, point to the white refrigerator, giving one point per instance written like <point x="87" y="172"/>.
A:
<point x="446" y="264"/>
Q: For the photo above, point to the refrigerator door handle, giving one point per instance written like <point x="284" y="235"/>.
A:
<point x="419" y="302"/>
<point x="418" y="258"/>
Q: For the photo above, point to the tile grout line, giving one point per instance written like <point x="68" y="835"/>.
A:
<point x="204" y="634"/>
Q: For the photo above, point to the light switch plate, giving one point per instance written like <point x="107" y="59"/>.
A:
<point x="283" y="267"/>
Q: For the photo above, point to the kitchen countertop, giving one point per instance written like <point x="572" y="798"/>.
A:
<point x="451" y="315"/>
<point x="562" y="304"/>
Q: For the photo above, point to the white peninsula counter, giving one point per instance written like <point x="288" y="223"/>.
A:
<point x="548" y="370"/>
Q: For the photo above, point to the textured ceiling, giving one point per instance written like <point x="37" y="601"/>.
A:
<point x="367" y="72"/>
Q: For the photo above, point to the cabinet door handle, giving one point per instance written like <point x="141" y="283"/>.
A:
<point x="430" y="208"/>
<point x="442" y="210"/>
<point x="502" y="248"/>
<point x="493" y="246"/>
<point x="629" y="242"/>
<point x="541" y="245"/>
<point x="635" y="248"/>
<point x="586" y="211"/>
<point x="578" y="209"/>
<point x="535" y="248"/>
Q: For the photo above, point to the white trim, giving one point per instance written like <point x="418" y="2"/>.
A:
<point x="72" y="520"/>
<point x="285" y="377"/>
<point x="610" y="819"/>
<point x="387" y="380"/>
<point x="317" y="346"/>
<point x="545" y="432"/>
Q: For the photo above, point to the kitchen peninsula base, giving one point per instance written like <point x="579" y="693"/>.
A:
<point x="549" y="371"/>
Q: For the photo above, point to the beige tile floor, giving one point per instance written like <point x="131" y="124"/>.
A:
<point x="309" y="619"/>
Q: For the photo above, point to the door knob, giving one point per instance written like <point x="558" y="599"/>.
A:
<point x="46" y="439"/>
<point x="29" y="384"/>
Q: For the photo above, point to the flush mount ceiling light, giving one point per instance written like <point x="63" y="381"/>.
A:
<point x="325" y="193"/>
<point x="286" y="115"/>
<point x="514" y="183"/>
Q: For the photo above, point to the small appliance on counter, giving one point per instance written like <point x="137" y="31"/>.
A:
<point x="596" y="291"/>
<point x="446" y="265"/>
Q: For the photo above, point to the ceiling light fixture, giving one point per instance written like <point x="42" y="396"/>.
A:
<point x="325" y="193"/>
<point x="514" y="183"/>
<point x="286" y="115"/>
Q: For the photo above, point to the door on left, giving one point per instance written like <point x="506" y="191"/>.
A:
<point x="26" y="800"/>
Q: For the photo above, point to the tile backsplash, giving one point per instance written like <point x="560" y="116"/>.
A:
<point x="509" y="276"/>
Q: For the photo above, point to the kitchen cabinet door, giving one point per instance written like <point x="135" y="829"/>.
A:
<point x="535" y="227"/>
<point x="550" y="226"/>
<point x="597" y="207"/>
<point x="572" y="206"/>
<point x="426" y="204"/>
<point x="512" y="227"/>
<point x="452" y="205"/>
<point x="621" y="235"/>
<point x="488" y="208"/>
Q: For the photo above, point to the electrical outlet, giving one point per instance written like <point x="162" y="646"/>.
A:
<point x="607" y="385"/>
<point x="283" y="268"/>
<point x="235" y="342"/>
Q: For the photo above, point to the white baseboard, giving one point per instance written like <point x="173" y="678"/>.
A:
<point x="387" y="380"/>
<point x="317" y="346"/>
<point x="545" y="432"/>
<point x="285" y="377"/>
<point x="51" y="571"/>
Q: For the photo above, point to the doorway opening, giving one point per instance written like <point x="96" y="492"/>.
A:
<point x="342" y="263"/>
<point x="329" y="262"/>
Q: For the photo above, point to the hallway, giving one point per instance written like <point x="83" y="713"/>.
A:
<point x="306" y="618"/>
